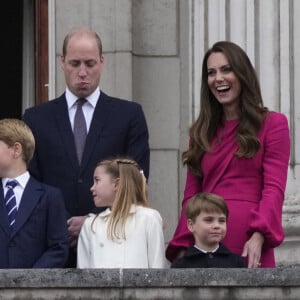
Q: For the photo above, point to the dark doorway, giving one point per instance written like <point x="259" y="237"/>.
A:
<point x="12" y="32"/>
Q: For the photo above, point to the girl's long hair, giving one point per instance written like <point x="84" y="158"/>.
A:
<point x="132" y="189"/>
<point x="251" y="109"/>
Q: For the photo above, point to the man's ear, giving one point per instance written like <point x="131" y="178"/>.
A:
<point x="190" y="225"/>
<point x="62" y="62"/>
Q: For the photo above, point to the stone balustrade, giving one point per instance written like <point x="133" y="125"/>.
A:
<point x="206" y="284"/>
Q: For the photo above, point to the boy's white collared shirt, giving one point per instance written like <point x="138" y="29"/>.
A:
<point x="19" y="189"/>
<point x="204" y="251"/>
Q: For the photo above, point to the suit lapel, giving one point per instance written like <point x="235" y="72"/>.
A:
<point x="101" y="114"/>
<point x="31" y="196"/>
<point x="60" y="111"/>
<point x="3" y="214"/>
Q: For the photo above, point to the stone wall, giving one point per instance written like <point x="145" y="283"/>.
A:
<point x="153" y="51"/>
<point x="149" y="284"/>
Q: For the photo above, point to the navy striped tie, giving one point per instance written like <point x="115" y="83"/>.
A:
<point x="10" y="201"/>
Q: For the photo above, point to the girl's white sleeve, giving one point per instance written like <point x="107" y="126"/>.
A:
<point x="156" y="242"/>
<point x="83" y="247"/>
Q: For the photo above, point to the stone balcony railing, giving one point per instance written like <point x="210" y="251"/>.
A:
<point x="206" y="284"/>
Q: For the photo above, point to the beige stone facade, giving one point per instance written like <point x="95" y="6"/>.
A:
<point x="153" y="51"/>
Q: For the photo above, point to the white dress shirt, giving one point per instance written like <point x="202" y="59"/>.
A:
<point x="87" y="108"/>
<point x="19" y="189"/>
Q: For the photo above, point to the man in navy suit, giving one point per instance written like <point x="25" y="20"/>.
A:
<point x="33" y="224"/>
<point x="114" y="127"/>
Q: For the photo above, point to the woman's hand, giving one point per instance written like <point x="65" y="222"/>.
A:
<point x="252" y="249"/>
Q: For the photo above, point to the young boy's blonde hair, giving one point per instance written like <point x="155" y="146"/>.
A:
<point x="16" y="131"/>
<point x="205" y="202"/>
<point x="132" y="189"/>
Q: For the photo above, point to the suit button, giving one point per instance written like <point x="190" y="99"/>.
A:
<point x="210" y="255"/>
<point x="12" y="244"/>
<point x="80" y="180"/>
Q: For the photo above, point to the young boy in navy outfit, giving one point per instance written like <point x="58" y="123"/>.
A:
<point x="33" y="225"/>
<point x="206" y="219"/>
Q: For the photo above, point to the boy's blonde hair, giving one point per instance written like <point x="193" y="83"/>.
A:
<point x="16" y="131"/>
<point x="206" y="202"/>
<point x="132" y="189"/>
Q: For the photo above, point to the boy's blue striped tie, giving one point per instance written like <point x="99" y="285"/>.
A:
<point x="10" y="201"/>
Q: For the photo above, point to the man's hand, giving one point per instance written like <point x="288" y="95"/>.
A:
<point x="74" y="227"/>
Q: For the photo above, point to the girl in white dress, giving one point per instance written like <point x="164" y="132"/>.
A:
<point x="128" y="234"/>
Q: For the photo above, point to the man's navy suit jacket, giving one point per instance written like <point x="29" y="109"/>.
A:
<point x="118" y="127"/>
<point x="39" y="236"/>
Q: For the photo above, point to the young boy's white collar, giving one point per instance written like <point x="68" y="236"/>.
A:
<point x="22" y="179"/>
<point x="204" y="251"/>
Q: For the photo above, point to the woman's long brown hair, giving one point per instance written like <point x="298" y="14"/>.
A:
<point x="251" y="109"/>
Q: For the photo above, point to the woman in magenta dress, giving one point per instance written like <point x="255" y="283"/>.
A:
<point x="239" y="150"/>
